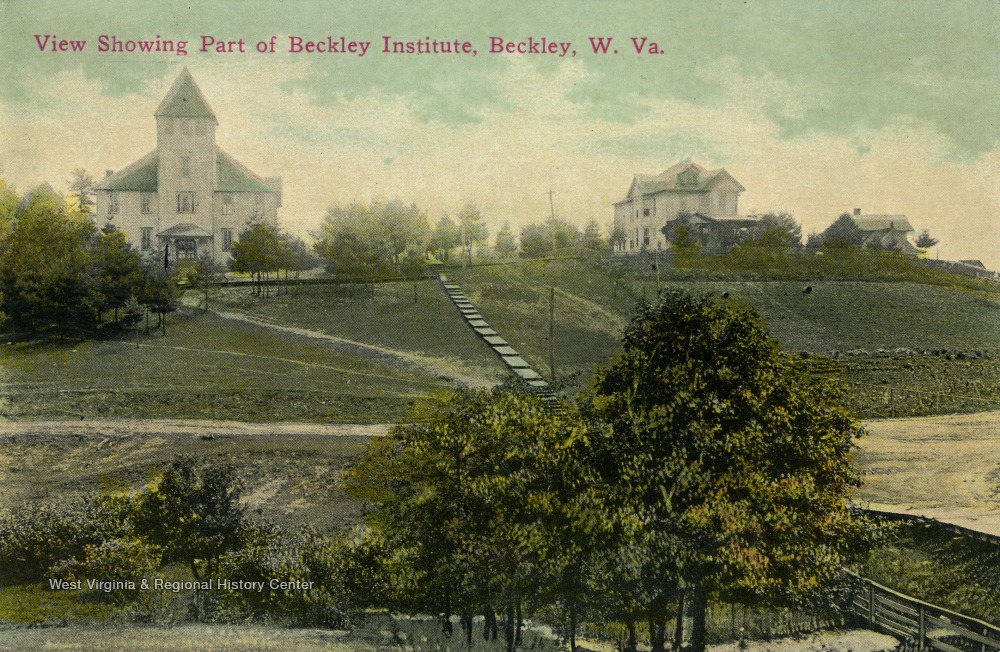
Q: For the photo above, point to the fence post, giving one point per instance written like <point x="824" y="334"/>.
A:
<point x="871" y="604"/>
<point x="921" y="627"/>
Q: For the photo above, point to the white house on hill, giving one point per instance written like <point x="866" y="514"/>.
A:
<point x="709" y="198"/>
<point x="890" y="232"/>
<point x="187" y="198"/>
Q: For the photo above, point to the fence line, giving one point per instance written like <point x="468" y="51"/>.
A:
<point x="927" y="520"/>
<point x="927" y="625"/>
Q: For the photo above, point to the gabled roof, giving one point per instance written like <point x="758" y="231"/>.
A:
<point x="882" y="223"/>
<point x="185" y="100"/>
<point x="233" y="176"/>
<point x="185" y="230"/>
<point x="670" y="180"/>
<point x="140" y="176"/>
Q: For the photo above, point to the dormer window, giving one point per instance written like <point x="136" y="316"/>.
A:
<point x="688" y="177"/>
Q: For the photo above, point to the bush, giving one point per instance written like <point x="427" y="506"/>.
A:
<point x="32" y="540"/>
<point x="126" y="560"/>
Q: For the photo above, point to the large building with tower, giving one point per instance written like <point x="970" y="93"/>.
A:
<point x="187" y="198"/>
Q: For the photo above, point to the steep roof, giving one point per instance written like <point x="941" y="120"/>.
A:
<point x="233" y="176"/>
<point x="882" y="223"/>
<point x="140" y="176"/>
<point x="673" y="179"/>
<point x="185" y="100"/>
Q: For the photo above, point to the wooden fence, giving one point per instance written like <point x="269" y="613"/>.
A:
<point x="928" y="627"/>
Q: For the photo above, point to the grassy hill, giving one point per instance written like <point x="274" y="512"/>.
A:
<point x="384" y="352"/>
<point x="902" y="348"/>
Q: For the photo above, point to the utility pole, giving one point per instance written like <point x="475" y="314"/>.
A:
<point x="462" y="222"/>
<point x="552" y="209"/>
<point x="552" y="333"/>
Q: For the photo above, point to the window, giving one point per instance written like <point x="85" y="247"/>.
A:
<point x="186" y="248"/>
<point x="227" y="204"/>
<point x="146" y="243"/>
<point x="645" y="237"/>
<point x="146" y="203"/>
<point x="645" y="212"/>
<point x="185" y="166"/>
<point x="185" y="202"/>
<point x="112" y="203"/>
<point x="227" y="239"/>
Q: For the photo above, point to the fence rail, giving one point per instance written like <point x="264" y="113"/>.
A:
<point x="918" y="519"/>
<point x="927" y="625"/>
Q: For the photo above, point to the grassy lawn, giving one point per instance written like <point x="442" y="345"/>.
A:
<point x="209" y="368"/>
<point x="380" y="314"/>
<point x="937" y="347"/>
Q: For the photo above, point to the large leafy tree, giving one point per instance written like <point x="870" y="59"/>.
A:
<point x="257" y="252"/>
<point x="544" y="239"/>
<point x="446" y="236"/>
<point x="505" y="245"/>
<point x="842" y="234"/>
<point x="777" y="231"/>
<point x="482" y="502"/>
<point x="118" y="269"/>
<point x="365" y="241"/>
<point x="724" y="458"/>
<point x="195" y="514"/>
<point x="46" y="268"/>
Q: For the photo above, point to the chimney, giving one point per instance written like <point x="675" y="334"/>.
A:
<point x="108" y="173"/>
<point x="857" y="211"/>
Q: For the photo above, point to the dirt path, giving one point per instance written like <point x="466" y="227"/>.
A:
<point x="118" y="427"/>
<point x="440" y="367"/>
<point x="942" y="467"/>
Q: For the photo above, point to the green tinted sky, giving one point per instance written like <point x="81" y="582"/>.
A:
<point x="814" y="106"/>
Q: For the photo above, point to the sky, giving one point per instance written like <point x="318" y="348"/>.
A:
<point x="817" y="108"/>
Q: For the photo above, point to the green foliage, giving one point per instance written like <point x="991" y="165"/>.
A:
<point x="842" y="234"/>
<point x="549" y="237"/>
<point x="33" y="540"/>
<point x="505" y="245"/>
<point x="82" y="187"/>
<point x="119" y="273"/>
<point x="363" y="242"/>
<point x="479" y="503"/>
<point x="257" y="252"/>
<point x="446" y="236"/>
<point x="778" y="232"/>
<point x="125" y="559"/>
<point x="592" y="238"/>
<point x="935" y="565"/>
<point x="925" y="241"/>
<point x="45" y="267"/>
<point x="195" y="514"/>
<point x="725" y="460"/>
<point x="57" y="273"/>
